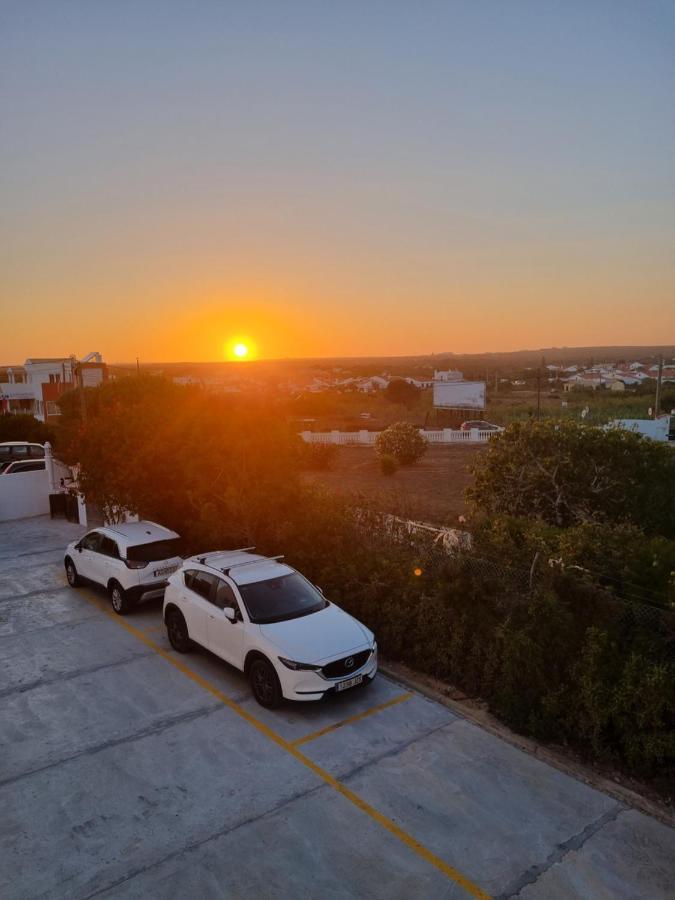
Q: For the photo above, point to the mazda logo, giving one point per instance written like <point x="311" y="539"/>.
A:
<point x="349" y="662"/>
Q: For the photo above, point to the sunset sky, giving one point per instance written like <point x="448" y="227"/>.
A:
<point x="346" y="178"/>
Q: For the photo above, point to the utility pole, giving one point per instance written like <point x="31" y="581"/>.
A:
<point x="538" y="395"/>
<point x="138" y="366"/>
<point x="659" y="378"/>
<point x="80" y="390"/>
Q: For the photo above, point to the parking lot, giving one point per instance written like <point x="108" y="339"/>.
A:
<point x="127" y="770"/>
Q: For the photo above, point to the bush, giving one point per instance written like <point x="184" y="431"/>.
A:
<point x="401" y="391"/>
<point x="388" y="464"/>
<point x="22" y="427"/>
<point x="566" y="474"/>
<point x="403" y="441"/>
<point x="317" y="456"/>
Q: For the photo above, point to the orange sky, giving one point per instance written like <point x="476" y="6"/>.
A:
<point x="334" y="182"/>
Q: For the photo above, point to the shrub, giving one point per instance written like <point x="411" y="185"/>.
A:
<point x="23" y="427"/>
<point x="565" y="474"/>
<point x="388" y="464"/>
<point x="403" y="441"/>
<point x="317" y="456"/>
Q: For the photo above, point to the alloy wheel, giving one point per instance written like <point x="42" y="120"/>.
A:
<point x="263" y="683"/>
<point x="117" y="599"/>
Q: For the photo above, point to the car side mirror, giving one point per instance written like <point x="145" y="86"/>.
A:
<point x="78" y="547"/>
<point x="230" y="614"/>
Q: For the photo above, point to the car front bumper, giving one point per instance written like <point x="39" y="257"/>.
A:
<point x="303" y="685"/>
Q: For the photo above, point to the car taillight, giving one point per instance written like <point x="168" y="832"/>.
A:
<point x="134" y="564"/>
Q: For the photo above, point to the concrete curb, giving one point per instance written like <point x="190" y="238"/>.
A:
<point x="557" y="758"/>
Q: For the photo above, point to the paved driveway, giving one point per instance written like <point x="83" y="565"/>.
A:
<point x="127" y="770"/>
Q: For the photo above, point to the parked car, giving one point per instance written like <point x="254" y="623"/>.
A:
<point x="12" y="468"/>
<point x="19" y="450"/>
<point x="132" y="561"/>
<point x="267" y="620"/>
<point x="481" y="425"/>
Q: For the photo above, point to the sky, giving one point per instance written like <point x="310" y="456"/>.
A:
<point x="334" y="179"/>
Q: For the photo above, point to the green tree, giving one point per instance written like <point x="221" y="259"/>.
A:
<point x="22" y="427"/>
<point x="403" y="441"/>
<point x="401" y="391"/>
<point x="216" y="468"/>
<point x="563" y="474"/>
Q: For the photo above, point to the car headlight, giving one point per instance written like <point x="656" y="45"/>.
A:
<point x="291" y="664"/>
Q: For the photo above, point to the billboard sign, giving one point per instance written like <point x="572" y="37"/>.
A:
<point x="459" y="394"/>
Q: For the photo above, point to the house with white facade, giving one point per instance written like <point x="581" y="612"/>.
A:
<point x="35" y="387"/>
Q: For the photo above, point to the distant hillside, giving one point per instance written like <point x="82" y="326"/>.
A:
<point x="472" y="364"/>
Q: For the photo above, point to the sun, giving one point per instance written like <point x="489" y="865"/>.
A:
<point x="239" y="349"/>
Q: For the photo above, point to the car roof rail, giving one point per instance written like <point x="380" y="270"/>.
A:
<point x="201" y="558"/>
<point x="251" y="562"/>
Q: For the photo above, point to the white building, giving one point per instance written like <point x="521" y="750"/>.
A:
<point x="35" y="387"/>
<point x="448" y="375"/>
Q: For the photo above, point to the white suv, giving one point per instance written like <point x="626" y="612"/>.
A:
<point x="267" y="620"/>
<point x="132" y="561"/>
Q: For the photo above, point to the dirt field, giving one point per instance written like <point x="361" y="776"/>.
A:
<point x="431" y="491"/>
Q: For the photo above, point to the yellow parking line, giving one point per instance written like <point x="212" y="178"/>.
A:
<point x="338" y="786"/>
<point x="356" y="718"/>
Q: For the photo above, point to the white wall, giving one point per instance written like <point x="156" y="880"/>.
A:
<point x="23" y="495"/>
<point x="26" y="494"/>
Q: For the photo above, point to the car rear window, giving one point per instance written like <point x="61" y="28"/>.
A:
<point x="154" y="551"/>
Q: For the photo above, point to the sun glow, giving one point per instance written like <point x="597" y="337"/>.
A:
<point x="239" y="349"/>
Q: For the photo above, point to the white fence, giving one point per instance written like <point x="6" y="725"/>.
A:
<point x="442" y="436"/>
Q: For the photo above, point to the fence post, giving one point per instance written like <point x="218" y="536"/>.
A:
<point x="335" y="436"/>
<point x="304" y="436"/>
<point x="474" y="435"/>
<point x="363" y="436"/>
<point x="81" y="510"/>
<point x="447" y="435"/>
<point x="49" y="466"/>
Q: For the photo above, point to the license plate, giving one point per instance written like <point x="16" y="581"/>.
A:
<point x="350" y="682"/>
<point x="167" y="570"/>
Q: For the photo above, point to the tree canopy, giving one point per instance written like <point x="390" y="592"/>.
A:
<point x="566" y="474"/>
<point x="23" y="427"/>
<point x="401" y="391"/>
<point x="171" y="452"/>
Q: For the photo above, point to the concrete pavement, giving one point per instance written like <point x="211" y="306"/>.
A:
<point x="127" y="770"/>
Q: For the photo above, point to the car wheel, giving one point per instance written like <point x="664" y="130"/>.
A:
<point x="119" y="599"/>
<point x="71" y="573"/>
<point x="177" y="632"/>
<point x="265" y="684"/>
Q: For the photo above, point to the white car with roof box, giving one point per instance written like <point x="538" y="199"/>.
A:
<point x="132" y="561"/>
<point x="267" y="620"/>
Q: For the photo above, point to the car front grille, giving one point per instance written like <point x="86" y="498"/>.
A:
<point x="346" y="666"/>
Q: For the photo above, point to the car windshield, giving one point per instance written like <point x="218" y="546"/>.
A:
<point x="155" y="551"/>
<point x="278" y="599"/>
